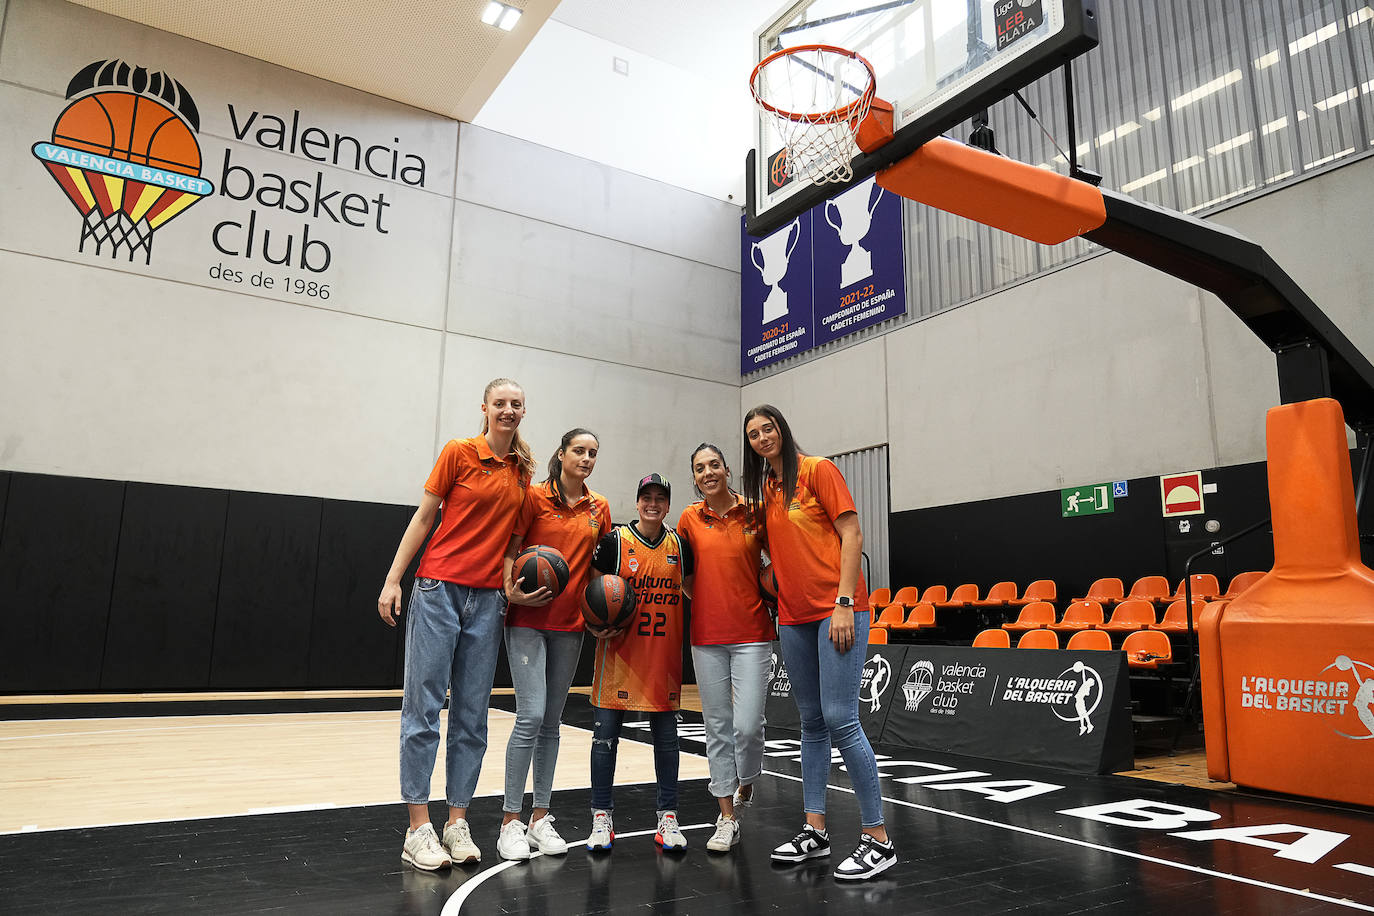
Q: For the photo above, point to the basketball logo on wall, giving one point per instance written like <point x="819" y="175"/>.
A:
<point x="125" y="152"/>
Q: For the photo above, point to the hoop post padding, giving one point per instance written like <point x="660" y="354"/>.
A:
<point x="875" y="129"/>
<point x="1034" y="203"/>
<point x="1288" y="666"/>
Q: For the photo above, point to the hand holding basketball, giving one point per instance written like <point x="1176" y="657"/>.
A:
<point x="540" y="573"/>
<point x="608" y="604"/>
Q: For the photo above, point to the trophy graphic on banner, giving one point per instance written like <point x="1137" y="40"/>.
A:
<point x="775" y="251"/>
<point x="856" y="218"/>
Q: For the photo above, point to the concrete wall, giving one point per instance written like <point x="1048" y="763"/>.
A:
<point x="612" y="298"/>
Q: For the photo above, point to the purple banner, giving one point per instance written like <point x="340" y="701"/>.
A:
<point x="860" y="276"/>
<point x="775" y="294"/>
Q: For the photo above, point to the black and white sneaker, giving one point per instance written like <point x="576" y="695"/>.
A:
<point x="869" y="859"/>
<point x="809" y="844"/>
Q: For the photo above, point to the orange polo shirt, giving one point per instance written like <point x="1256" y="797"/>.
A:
<point x="481" y="496"/>
<point x="726" y="606"/>
<point x="571" y="530"/>
<point x="803" y="542"/>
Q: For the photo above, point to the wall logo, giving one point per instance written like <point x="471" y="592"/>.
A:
<point x="125" y="152"/>
<point x="779" y="684"/>
<point x="1363" y="701"/>
<point x="1073" y="695"/>
<point x="874" y="681"/>
<point x="919" y="682"/>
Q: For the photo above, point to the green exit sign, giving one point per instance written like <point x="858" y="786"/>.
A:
<point x="1091" y="500"/>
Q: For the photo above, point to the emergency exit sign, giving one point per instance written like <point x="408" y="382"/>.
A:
<point x="1090" y="500"/>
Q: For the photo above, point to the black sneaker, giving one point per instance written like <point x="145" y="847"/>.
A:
<point x="868" y="860"/>
<point x="809" y="844"/>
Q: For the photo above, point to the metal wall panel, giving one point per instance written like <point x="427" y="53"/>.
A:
<point x="866" y="473"/>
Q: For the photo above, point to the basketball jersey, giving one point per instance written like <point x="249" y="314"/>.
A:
<point x="641" y="668"/>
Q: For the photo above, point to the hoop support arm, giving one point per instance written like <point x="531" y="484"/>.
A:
<point x="1034" y="203"/>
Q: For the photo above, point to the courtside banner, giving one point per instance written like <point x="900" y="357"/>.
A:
<point x="879" y="690"/>
<point x="775" y="294"/>
<point x="860" y="270"/>
<point x="1051" y="708"/>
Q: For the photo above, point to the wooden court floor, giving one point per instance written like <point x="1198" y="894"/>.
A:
<point x="298" y="813"/>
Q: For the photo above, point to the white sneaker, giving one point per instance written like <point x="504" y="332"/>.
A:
<point x="544" y="838"/>
<point x="511" y="844"/>
<point x="458" y="842"/>
<point x="669" y="835"/>
<point x="726" y="835"/>
<point x="422" y="849"/>
<point x="603" y="830"/>
<point x="744" y="796"/>
<point x="870" y="859"/>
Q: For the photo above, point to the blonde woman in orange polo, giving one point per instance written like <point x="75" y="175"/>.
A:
<point x="456" y="617"/>
<point x="815" y="542"/>
<point x="544" y="636"/>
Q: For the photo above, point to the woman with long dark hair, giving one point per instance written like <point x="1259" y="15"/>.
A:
<point x="731" y="634"/>
<point x="815" y="543"/>
<point x="456" y="617"/>
<point x="544" y="635"/>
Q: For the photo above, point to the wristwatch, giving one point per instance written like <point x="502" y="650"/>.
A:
<point x="844" y="601"/>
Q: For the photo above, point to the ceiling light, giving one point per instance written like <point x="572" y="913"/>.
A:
<point x="502" y="15"/>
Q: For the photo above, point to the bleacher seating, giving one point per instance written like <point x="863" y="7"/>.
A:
<point x="922" y="616"/>
<point x="1084" y="614"/>
<point x="1175" y="619"/>
<point x="934" y="594"/>
<point x="1105" y="591"/>
<point x="1034" y="616"/>
<point x="1090" y="639"/>
<point x="1038" y="639"/>
<point x="877" y="636"/>
<point x="964" y="596"/>
<point x="1148" y="649"/>
<point x="1204" y="586"/>
<point x="879" y="598"/>
<point x="1003" y="594"/>
<point x="1149" y="588"/>
<point x="1239" y="583"/>
<point x="890" y="615"/>
<point x="1130" y="615"/>
<point x="1039" y="590"/>
<point x="907" y="596"/>
<point x="992" y="639"/>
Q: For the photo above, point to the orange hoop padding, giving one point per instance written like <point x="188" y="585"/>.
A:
<point x="1033" y="203"/>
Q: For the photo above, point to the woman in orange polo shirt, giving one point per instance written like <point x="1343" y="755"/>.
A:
<point x="544" y="635"/>
<point x="732" y="635"/>
<point x="815" y="543"/>
<point x="456" y="616"/>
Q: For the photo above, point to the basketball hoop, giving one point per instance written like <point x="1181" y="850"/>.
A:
<point x="818" y="96"/>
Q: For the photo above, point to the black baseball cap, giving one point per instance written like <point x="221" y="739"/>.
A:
<point x="653" y="480"/>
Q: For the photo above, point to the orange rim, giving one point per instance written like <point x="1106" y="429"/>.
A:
<point x="835" y="115"/>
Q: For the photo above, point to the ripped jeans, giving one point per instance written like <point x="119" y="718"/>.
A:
<point x="605" y="740"/>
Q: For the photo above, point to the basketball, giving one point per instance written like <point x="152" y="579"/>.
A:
<point x="541" y="567"/>
<point x="768" y="583"/>
<point x="608" y="601"/>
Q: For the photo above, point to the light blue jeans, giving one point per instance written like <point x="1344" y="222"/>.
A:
<point x="453" y="637"/>
<point x="825" y="687"/>
<point x="542" y="664"/>
<point x="733" y="682"/>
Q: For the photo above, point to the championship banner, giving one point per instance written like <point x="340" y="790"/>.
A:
<point x="1052" y="708"/>
<point x="833" y="270"/>
<point x="879" y="690"/>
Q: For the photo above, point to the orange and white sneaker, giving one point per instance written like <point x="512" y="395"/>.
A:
<point x="669" y="835"/>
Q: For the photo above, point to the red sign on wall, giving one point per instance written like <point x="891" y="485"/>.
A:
<point x="1181" y="494"/>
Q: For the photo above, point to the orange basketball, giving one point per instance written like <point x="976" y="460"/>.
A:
<point x="134" y="128"/>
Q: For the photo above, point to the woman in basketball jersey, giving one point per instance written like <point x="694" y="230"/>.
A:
<point x="640" y="667"/>
<point x="544" y="635"/>
<point x="456" y="616"/>
<point x="815" y="542"/>
<point x="732" y="635"/>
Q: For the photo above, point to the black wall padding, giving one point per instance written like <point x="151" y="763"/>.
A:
<point x="57" y="558"/>
<point x="267" y="592"/>
<point x="4" y="495"/>
<point x="162" y="611"/>
<point x="350" y="646"/>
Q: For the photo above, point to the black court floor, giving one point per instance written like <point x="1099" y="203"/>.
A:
<point x="974" y="836"/>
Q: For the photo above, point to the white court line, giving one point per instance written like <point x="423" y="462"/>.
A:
<point x="1108" y="849"/>
<point x="455" y="903"/>
<point x="191" y="726"/>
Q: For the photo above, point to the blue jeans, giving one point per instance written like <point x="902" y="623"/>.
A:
<point x="733" y="681"/>
<point x="453" y="636"/>
<point x="605" y="740"/>
<point x="825" y="687"/>
<point x="542" y="664"/>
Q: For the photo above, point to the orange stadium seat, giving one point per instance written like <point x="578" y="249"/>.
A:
<point x="879" y="598"/>
<point x="1083" y="614"/>
<point x="1039" y="590"/>
<point x="1108" y="590"/>
<point x="964" y="596"/>
<point x="1000" y="595"/>
<point x="1240" y="583"/>
<point x="1148" y="649"/>
<point x="1090" y="639"/>
<point x="1034" y="616"/>
<point x="1204" y="586"/>
<point x="1149" y="588"/>
<point x="935" y="594"/>
<point x="922" y="616"/>
<point x="892" y="615"/>
<point x="907" y="597"/>
<point x="1038" y="639"/>
<point x="1130" y="615"/>
<point x="992" y="639"/>
<point x="1175" y="617"/>
<point x="877" y="636"/>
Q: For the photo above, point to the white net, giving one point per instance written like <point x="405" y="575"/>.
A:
<point x="817" y="96"/>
